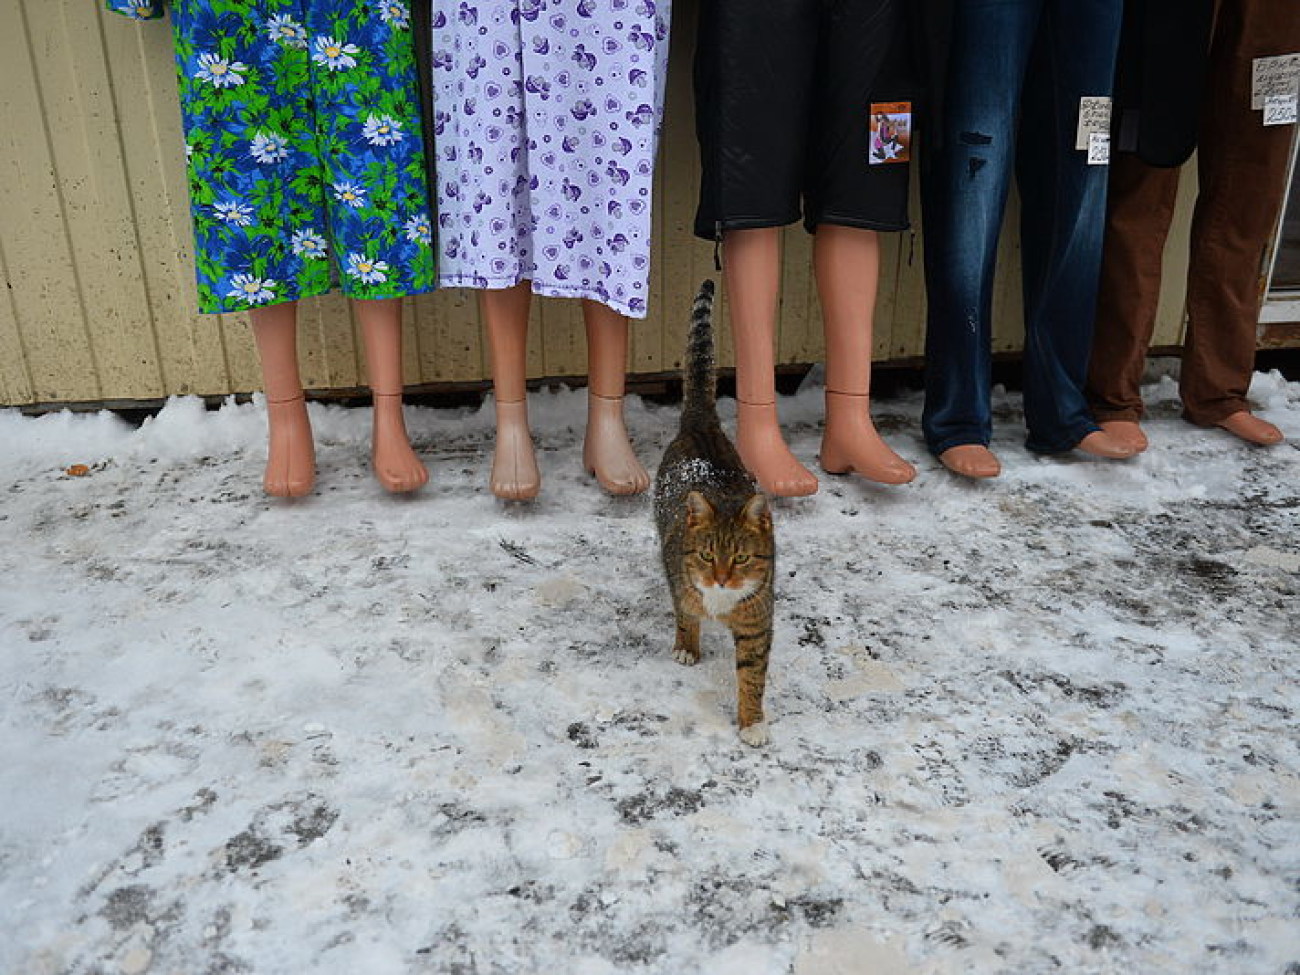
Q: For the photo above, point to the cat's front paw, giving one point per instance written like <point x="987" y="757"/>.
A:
<point x="756" y="735"/>
<point x="686" y="656"/>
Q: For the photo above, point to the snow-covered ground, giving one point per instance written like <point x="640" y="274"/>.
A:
<point x="1042" y="724"/>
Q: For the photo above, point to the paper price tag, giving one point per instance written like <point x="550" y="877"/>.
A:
<point x="1094" y="117"/>
<point x="1273" y="76"/>
<point x="1280" y="109"/>
<point x="1099" y="149"/>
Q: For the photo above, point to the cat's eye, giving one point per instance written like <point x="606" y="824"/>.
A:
<point x="739" y="559"/>
<point x="705" y="555"/>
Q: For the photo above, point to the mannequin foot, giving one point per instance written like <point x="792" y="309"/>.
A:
<point x="971" y="460"/>
<point x="394" y="461"/>
<point x="765" y="454"/>
<point x="1252" y="429"/>
<point x="1126" y="432"/>
<point x="607" y="450"/>
<point x="515" y="476"/>
<point x="851" y="445"/>
<point x="865" y="454"/>
<point x="290" y="453"/>
<point x="1101" y="444"/>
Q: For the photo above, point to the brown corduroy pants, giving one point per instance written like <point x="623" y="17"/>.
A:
<point x="1242" y="167"/>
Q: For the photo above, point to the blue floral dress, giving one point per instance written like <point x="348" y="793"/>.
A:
<point x="546" y="116"/>
<point x="304" y="147"/>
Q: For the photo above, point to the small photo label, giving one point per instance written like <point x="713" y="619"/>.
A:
<point x="891" y="133"/>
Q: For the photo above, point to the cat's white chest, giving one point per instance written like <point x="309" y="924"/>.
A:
<point x="719" y="601"/>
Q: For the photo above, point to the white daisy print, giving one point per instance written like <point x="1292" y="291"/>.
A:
<point x="351" y="194"/>
<point x="139" y="9"/>
<point x="382" y="130"/>
<point x="418" y="230"/>
<point x="394" y="12"/>
<point x="240" y="214"/>
<point x="252" y="290"/>
<point x="366" y="270"/>
<point x="308" y="243"/>
<point x="285" y="30"/>
<point x="219" y="72"/>
<point x="335" y="55"/>
<point x="269" y="147"/>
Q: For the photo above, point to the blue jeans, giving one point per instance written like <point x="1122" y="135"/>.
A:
<point x="1038" y="56"/>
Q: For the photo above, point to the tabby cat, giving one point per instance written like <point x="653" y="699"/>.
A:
<point x="715" y="532"/>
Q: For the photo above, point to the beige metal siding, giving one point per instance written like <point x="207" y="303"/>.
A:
<point x="96" y="252"/>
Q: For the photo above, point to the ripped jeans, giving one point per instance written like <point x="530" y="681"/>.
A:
<point x="1025" y="61"/>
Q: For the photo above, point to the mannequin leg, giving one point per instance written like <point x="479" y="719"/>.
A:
<point x="395" y="464"/>
<point x="607" y="451"/>
<point x="847" y="263"/>
<point x="965" y="181"/>
<point x="752" y="271"/>
<point x="1139" y="209"/>
<point x="290" y="455"/>
<point x="1062" y="224"/>
<point x="1231" y="226"/>
<point x="515" y="476"/>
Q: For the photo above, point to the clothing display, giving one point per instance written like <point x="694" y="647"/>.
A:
<point x="784" y="96"/>
<point x="1242" y="168"/>
<point x="304" y="147"/>
<point x="1160" y="78"/>
<point x="546" y="119"/>
<point x="1015" y="75"/>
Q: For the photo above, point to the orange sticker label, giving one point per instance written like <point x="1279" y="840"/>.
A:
<point x="891" y="133"/>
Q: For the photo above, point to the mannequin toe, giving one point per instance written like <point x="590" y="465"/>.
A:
<point x="883" y="467"/>
<point x="1101" y="444"/>
<point x="781" y="477"/>
<point x="971" y="460"/>
<point x="1126" y="432"/>
<point x="401" y="479"/>
<point x="1252" y="429"/>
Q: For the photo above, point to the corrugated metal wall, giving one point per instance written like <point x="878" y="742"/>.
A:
<point x="95" y="243"/>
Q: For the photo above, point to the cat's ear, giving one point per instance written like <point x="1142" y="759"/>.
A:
<point x="698" y="510"/>
<point x="758" y="513"/>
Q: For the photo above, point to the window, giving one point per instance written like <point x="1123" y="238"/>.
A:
<point x="1282" y="302"/>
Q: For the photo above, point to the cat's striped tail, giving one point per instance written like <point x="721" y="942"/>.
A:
<point x="698" y="397"/>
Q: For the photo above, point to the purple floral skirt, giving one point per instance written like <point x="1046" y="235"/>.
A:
<point x="546" y="119"/>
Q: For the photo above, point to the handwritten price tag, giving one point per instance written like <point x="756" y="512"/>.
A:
<point x="1280" y="110"/>
<point x="1099" y="149"/>
<point x="1273" y="76"/>
<point x="1094" y="118"/>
